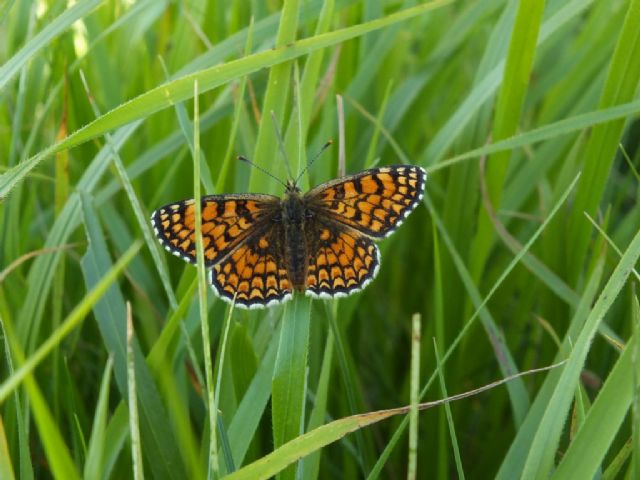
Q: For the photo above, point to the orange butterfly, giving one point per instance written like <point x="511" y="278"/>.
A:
<point x="261" y="248"/>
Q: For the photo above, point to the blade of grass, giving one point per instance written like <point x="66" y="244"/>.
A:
<point x="290" y="376"/>
<point x="6" y="468"/>
<point x="93" y="465"/>
<point x="134" y="429"/>
<point x="452" y="428"/>
<point x="416" y="338"/>
<point x="212" y="457"/>
<point x="311" y="465"/>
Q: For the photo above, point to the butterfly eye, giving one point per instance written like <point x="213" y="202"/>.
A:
<point x="308" y="214"/>
<point x="277" y="217"/>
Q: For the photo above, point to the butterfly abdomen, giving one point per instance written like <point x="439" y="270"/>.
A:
<point x="293" y="219"/>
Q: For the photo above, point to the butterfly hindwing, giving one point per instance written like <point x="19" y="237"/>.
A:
<point x="374" y="202"/>
<point x="226" y="221"/>
<point x="341" y="260"/>
<point x="254" y="273"/>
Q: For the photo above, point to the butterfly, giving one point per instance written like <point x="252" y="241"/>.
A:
<point x="259" y="249"/>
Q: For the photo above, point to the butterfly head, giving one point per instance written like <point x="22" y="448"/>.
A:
<point x="291" y="187"/>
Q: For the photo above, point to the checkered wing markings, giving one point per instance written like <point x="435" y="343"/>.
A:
<point x="254" y="273"/>
<point x="374" y="202"/>
<point x="226" y="221"/>
<point x="341" y="261"/>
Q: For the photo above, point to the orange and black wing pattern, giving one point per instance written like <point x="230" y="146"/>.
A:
<point x="374" y="202"/>
<point x="341" y="261"/>
<point x="227" y="220"/>
<point x="254" y="274"/>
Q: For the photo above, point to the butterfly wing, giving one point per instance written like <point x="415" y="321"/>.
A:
<point x="227" y="220"/>
<point x="341" y="260"/>
<point x="374" y="202"/>
<point x="254" y="273"/>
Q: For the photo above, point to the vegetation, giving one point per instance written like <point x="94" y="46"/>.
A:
<point x="524" y="114"/>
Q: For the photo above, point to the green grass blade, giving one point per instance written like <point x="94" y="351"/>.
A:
<point x="290" y="375"/>
<point x="311" y="464"/>
<point x="132" y="402"/>
<point x="93" y="465"/>
<point x="6" y="468"/>
<point x="414" y="396"/>
<point x="451" y="425"/>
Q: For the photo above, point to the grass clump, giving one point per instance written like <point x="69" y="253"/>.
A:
<point x="525" y="253"/>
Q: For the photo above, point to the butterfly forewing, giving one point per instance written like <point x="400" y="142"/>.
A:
<point x="374" y="202"/>
<point x="227" y="220"/>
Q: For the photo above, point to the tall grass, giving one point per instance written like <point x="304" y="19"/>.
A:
<point x="525" y="253"/>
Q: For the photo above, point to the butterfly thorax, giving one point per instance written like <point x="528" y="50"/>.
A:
<point x="294" y="217"/>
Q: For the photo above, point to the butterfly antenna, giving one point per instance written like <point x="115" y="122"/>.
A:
<point x="324" y="147"/>
<point x="281" y="144"/>
<point x="242" y="158"/>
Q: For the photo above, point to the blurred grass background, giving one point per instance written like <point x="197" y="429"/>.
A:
<point x="525" y="115"/>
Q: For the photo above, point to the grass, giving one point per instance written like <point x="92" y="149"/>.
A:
<point x="525" y="253"/>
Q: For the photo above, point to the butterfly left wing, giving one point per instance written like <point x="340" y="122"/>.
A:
<point x="254" y="273"/>
<point x="340" y="261"/>
<point x="226" y="221"/>
<point x="374" y="202"/>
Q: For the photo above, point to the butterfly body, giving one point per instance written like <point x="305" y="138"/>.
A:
<point x="294" y="217"/>
<point x="261" y="248"/>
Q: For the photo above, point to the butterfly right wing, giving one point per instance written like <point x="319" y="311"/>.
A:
<point x="341" y="260"/>
<point x="227" y="220"/>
